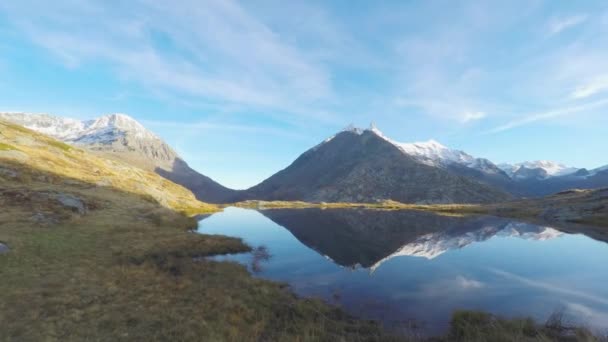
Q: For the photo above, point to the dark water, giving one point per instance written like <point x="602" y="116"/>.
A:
<point x="414" y="268"/>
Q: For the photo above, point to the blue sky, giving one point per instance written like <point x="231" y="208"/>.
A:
<point x="240" y="89"/>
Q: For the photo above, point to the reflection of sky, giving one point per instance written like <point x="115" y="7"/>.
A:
<point x="504" y="275"/>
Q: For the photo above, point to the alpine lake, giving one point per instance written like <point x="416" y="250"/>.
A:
<point x="411" y="270"/>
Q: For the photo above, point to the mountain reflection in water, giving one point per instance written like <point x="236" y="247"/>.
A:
<point x="367" y="238"/>
<point x="411" y="266"/>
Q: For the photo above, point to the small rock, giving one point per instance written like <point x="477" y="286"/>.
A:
<point x="8" y="172"/>
<point x="43" y="219"/>
<point x="103" y="182"/>
<point x="75" y="203"/>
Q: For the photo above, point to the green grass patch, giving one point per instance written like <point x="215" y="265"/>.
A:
<point x="130" y="270"/>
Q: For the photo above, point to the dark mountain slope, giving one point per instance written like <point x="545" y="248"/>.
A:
<point x="361" y="166"/>
<point x="203" y="187"/>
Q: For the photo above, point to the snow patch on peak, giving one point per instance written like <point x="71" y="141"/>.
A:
<point x="117" y="122"/>
<point x="434" y="153"/>
<point x="353" y="129"/>
<point x="429" y="152"/>
<point x="101" y="130"/>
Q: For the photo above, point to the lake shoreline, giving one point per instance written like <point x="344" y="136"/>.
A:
<point x="556" y="209"/>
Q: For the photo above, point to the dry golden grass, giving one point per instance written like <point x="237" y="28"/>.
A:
<point x="40" y="154"/>
<point x="442" y="209"/>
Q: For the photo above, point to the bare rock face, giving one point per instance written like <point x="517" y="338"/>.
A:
<point x="362" y="166"/>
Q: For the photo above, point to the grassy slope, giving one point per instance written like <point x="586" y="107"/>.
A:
<point x="33" y="155"/>
<point x="578" y="206"/>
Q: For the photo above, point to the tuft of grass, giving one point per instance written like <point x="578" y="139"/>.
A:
<point x="60" y="145"/>
<point x="6" y="147"/>
<point x="443" y="209"/>
<point x="476" y="326"/>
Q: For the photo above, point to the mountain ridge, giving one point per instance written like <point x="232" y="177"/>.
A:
<point x="122" y="138"/>
<point x="361" y="165"/>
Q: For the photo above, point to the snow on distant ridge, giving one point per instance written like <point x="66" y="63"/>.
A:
<point x="101" y="130"/>
<point x="433" y="153"/>
<point x="552" y="169"/>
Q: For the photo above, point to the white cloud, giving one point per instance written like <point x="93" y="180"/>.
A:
<point x="596" y="85"/>
<point x="558" y="25"/>
<point x="213" y="51"/>
<point x="536" y="117"/>
<point x="472" y="116"/>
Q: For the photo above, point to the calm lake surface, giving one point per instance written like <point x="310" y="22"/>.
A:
<point x="410" y="268"/>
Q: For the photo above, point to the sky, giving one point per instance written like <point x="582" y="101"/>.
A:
<point x="241" y="88"/>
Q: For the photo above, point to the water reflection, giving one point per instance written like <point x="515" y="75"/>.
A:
<point x="417" y="267"/>
<point x="367" y="238"/>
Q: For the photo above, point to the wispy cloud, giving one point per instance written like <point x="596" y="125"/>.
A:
<point x="558" y="25"/>
<point x="472" y="116"/>
<point x="213" y="50"/>
<point x="561" y="112"/>
<point x="202" y="127"/>
<point x="596" y="85"/>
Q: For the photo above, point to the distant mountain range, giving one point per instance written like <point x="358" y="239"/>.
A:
<point x="354" y="165"/>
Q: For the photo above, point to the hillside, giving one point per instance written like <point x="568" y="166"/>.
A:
<point x="37" y="161"/>
<point x="362" y="166"/>
<point x="122" y="138"/>
<point x="577" y="206"/>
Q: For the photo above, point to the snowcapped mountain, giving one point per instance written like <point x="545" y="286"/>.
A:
<point x="119" y="136"/>
<point x="539" y="169"/>
<point x="526" y="179"/>
<point x="594" y="172"/>
<point x="103" y="130"/>
<point x="362" y="165"/>
<point x="432" y="152"/>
